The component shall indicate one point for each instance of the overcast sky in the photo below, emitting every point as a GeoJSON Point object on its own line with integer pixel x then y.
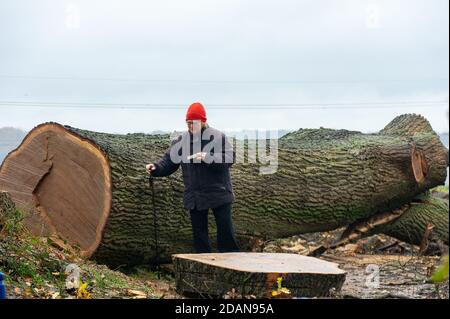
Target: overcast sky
{"type": "Point", "coordinates": [351, 64]}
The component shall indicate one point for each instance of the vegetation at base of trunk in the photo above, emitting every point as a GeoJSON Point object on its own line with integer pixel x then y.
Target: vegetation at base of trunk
{"type": "Point", "coordinates": [27, 260]}
{"type": "Point", "coordinates": [441, 189]}
{"type": "Point", "coordinates": [34, 267]}
{"type": "Point", "coordinates": [441, 274]}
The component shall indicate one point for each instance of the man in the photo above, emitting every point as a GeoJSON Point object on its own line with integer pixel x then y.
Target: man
{"type": "Point", "coordinates": [205, 156]}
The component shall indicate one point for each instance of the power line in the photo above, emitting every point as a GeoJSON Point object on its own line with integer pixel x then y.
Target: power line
{"type": "Point", "coordinates": [235, 106]}
{"type": "Point", "coordinates": [190, 81]}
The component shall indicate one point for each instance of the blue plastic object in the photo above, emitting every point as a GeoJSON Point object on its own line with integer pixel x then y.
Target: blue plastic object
{"type": "Point", "coordinates": [2, 287]}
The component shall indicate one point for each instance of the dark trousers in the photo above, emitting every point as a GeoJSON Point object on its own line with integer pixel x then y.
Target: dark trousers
{"type": "Point", "coordinates": [226, 240]}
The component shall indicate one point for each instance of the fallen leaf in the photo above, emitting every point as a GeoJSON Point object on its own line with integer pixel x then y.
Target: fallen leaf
{"type": "Point", "coordinates": [137, 294]}
{"type": "Point", "coordinates": [27, 292]}
{"type": "Point", "coordinates": [82, 292]}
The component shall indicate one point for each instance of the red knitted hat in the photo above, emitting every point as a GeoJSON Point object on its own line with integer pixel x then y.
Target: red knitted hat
{"type": "Point", "coordinates": [196, 111]}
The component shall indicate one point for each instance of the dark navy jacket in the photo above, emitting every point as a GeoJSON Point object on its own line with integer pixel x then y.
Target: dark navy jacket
{"type": "Point", "coordinates": [207, 184]}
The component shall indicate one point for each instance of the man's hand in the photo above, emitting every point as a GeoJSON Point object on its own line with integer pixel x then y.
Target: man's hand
{"type": "Point", "coordinates": [198, 156]}
{"type": "Point", "coordinates": [150, 167]}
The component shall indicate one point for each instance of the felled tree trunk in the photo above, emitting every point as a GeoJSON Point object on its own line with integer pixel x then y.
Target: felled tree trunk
{"type": "Point", "coordinates": [91, 188]}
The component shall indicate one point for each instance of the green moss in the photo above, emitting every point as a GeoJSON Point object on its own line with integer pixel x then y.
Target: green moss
{"type": "Point", "coordinates": [105, 279]}
{"type": "Point", "coordinates": [442, 189]}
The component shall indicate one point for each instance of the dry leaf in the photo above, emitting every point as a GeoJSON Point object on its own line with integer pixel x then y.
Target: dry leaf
{"type": "Point", "coordinates": [55, 295]}
{"type": "Point", "coordinates": [137, 294]}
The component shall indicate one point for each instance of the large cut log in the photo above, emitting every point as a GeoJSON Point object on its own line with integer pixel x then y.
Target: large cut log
{"type": "Point", "coordinates": [257, 274]}
{"type": "Point", "coordinates": [91, 188]}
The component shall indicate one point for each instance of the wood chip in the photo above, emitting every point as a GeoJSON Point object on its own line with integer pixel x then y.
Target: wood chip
{"type": "Point", "coordinates": [137, 294]}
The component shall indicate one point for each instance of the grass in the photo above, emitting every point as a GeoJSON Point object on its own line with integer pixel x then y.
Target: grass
{"type": "Point", "coordinates": [144, 273]}
{"type": "Point", "coordinates": [34, 267]}
{"type": "Point", "coordinates": [104, 279]}
{"type": "Point", "coordinates": [442, 189]}
{"type": "Point", "coordinates": [25, 259]}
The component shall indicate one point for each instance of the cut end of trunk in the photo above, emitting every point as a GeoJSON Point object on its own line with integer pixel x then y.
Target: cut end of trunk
{"type": "Point", "coordinates": [64, 182]}
{"type": "Point", "coordinates": [419, 164]}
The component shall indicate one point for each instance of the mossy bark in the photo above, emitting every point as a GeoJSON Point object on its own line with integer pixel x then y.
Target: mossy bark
{"type": "Point", "coordinates": [410, 226]}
